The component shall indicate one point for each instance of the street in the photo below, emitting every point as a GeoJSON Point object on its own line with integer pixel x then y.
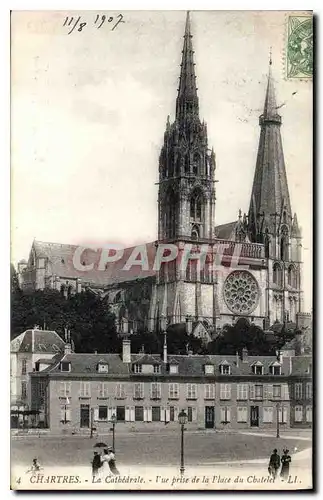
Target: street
{"type": "Point", "coordinates": [154, 449]}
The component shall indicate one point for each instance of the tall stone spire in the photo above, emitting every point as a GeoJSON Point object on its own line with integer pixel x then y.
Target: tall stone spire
{"type": "Point", "coordinates": [187, 100]}
{"type": "Point", "coordinates": [270, 200]}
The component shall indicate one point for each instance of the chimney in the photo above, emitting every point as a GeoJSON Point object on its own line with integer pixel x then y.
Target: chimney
{"type": "Point", "coordinates": [237, 359]}
{"type": "Point", "coordinates": [244, 355]}
{"type": "Point", "coordinates": [126, 351]}
{"type": "Point", "coordinates": [67, 348]}
{"type": "Point", "coordinates": [279, 356]}
{"type": "Point", "coordinates": [290, 365]}
{"type": "Point", "coordinates": [165, 349]}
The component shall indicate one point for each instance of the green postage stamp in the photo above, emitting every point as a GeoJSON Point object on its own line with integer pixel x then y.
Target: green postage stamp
{"type": "Point", "coordinates": [299, 60]}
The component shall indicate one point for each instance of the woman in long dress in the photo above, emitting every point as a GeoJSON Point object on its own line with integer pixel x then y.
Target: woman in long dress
{"type": "Point", "coordinates": [285, 461]}
{"type": "Point", "coordinates": [105, 467]}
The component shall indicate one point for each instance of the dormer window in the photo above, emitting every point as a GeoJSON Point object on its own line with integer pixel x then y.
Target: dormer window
{"type": "Point", "coordinates": [209, 369]}
{"type": "Point", "coordinates": [156, 368]}
{"type": "Point", "coordinates": [65, 366]}
{"type": "Point", "coordinates": [225, 368]}
{"type": "Point", "coordinates": [137, 368]}
{"type": "Point", "coordinates": [103, 368]}
{"type": "Point", "coordinates": [258, 369]}
{"type": "Point", "coordinates": [275, 369]}
{"type": "Point", "coordinates": [173, 368]}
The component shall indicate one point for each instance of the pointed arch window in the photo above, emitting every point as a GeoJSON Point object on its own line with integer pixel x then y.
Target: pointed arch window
{"type": "Point", "coordinates": [267, 243]}
{"type": "Point", "coordinates": [178, 165]}
{"type": "Point", "coordinates": [291, 277]}
{"type": "Point", "coordinates": [171, 214]}
{"type": "Point", "coordinates": [187, 164]}
{"type": "Point", "coordinates": [277, 274]}
{"type": "Point", "coordinates": [196, 163]}
{"type": "Point", "coordinates": [196, 206]}
{"type": "Point", "coordinates": [195, 232]}
{"type": "Point", "coordinates": [284, 244]}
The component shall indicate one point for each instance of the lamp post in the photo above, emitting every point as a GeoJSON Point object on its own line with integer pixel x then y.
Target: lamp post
{"type": "Point", "coordinates": [113, 420]}
{"type": "Point", "coordinates": [182, 418]}
{"type": "Point", "coordinates": [277, 414]}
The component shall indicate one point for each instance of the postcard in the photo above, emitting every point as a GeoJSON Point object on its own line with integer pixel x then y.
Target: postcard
{"type": "Point", "coordinates": [161, 265]}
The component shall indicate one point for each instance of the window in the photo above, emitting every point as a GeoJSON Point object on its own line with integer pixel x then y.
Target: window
{"type": "Point", "coordinates": [65, 366]}
{"type": "Point", "coordinates": [242, 391]}
{"type": "Point", "coordinates": [196, 206]}
{"type": "Point", "coordinates": [155, 390]}
{"type": "Point", "coordinates": [85, 390]}
{"type": "Point", "coordinates": [155, 414]}
{"type": "Point", "coordinates": [225, 414]}
{"type": "Point", "coordinates": [275, 370]}
{"type": "Point", "coordinates": [137, 368]}
{"type": "Point", "coordinates": [258, 369]}
{"type": "Point", "coordinates": [103, 390]}
{"type": "Point", "coordinates": [191, 414]}
{"type": "Point", "coordinates": [292, 277]}
{"type": "Point", "coordinates": [103, 368]}
{"type": "Point", "coordinates": [64, 389]}
{"type": "Point", "coordinates": [209, 369]}
{"type": "Point", "coordinates": [121, 414]}
{"type": "Point", "coordinates": [191, 391]}
{"type": "Point", "coordinates": [65, 413]}
{"type": "Point", "coordinates": [209, 391]}
{"type": "Point", "coordinates": [23, 367]}
{"type": "Point", "coordinates": [173, 368]}
{"type": "Point", "coordinates": [277, 275]}
{"type": "Point", "coordinates": [120, 391]}
{"type": "Point", "coordinates": [308, 390]}
{"type": "Point", "coordinates": [138, 391]}
{"type": "Point", "coordinates": [225, 391]}
{"type": "Point", "coordinates": [258, 391]}
{"type": "Point", "coordinates": [156, 368]}
{"type": "Point", "coordinates": [173, 391]}
{"type": "Point", "coordinates": [308, 414]}
{"type": "Point", "coordinates": [284, 243]}
{"type": "Point", "coordinates": [268, 414]}
{"type": "Point", "coordinates": [23, 390]}
{"type": "Point", "coordinates": [225, 369]}
{"type": "Point", "coordinates": [298, 414]}
{"type": "Point", "coordinates": [282, 415]}
{"type": "Point", "coordinates": [103, 413]}
{"type": "Point", "coordinates": [298, 390]}
{"type": "Point", "coordinates": [139, 413]}
{"type": "Point", "coordinates": [277, 391]}
{"type": "Point", "coordinates": [242, 414]}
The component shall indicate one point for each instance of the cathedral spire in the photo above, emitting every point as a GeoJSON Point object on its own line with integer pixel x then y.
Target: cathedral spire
{"type": "Point", "coordinates": [187, 100]}
{"type": "Point", "coordinates": [270, 196]}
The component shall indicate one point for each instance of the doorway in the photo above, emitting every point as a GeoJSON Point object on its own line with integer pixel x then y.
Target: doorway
{"type": "Point", "coordinates": [85, 416]}
{"type": "Point", "coordinates": [254, 416]}
{"type": "Point", "coordinates": [209, 417]}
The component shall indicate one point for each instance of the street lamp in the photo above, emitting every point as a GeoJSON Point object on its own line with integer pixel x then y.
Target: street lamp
{"type": "Point", "coordinates": [113, 420]}
{"type": "Point", "coordinates": [182, 419]}
{"type": "Point", "coordinates": [277, 408]}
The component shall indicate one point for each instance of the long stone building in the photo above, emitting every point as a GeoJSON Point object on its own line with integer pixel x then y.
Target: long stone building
{"type": "Point", "coordinates": [253, 265]}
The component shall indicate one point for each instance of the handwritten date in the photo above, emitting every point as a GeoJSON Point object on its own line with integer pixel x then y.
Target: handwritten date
{"type": "Point", "coordinates": [76, 22]}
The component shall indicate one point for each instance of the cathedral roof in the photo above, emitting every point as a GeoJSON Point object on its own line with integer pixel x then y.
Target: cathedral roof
{"type": "Point", "coordinates": [60, 263]}
{"type": "Point", "coordinates": [225, 231]}
{"type": "Point", "coordinates": [37, 341]}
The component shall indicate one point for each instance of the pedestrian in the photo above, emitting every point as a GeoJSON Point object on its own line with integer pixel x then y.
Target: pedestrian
{"type": "Point", "coordinates": [285, 461]}
{"type": "Point", "coordinates": [105, 463]}
{"type": "Point", "coordinates": [274, 464]}
{"type": "Point", "coordinates": [112, 462]}
{"type": "Point", "coordinates": [96, 463]}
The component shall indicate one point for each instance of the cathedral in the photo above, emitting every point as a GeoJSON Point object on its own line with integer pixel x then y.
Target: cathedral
{"type": "Point", "coordinates": [252, 266]}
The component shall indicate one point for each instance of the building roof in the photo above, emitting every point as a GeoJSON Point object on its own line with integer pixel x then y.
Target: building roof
{"type": "Point", "coordinates": [225, 231]}
{"type": "Point", "coordinates": [37, 341]}
{"type": "Point", "coordinates": [188, 366]}
{"type": "Point", "coordinates": [62, 258]}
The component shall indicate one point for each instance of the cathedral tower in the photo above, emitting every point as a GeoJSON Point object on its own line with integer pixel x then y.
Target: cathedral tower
{"type": "Point", "coordinates": [186, 201]}
{"type": "Point", "coordinates": [270, 217]}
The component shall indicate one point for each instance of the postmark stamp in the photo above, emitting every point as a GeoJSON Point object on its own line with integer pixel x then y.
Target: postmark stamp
{"type": "Point", "coordinates": [299, 60]}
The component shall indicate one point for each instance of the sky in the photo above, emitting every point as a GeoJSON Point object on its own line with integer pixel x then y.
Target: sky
{"type": "Point", "coordinates": [88, 114]}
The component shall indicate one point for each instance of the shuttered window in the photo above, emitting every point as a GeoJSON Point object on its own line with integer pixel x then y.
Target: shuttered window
{"type": "Point", "coordinates": [225, 391]}
{"type": "Point", "coordinates": [268, 414]}
{"type": "Point", "coordinates": [242, 391]}
{"type": "Point", "coordinates": [298, 413]}
{"type": "Point", "coordinates": [242, 414]}
{"type": "Point", "coordinates": [225, 414]}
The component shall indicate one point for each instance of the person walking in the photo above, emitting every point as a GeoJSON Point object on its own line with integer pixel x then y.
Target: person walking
{"type": "Point", "coordinates": [274, 464]}
{"type": "Point", "coordinates": [112, 462]}
{"type": "Point", "coordinates": [285, 461]}
{"type": "Point", "coordinates": [96, 463]}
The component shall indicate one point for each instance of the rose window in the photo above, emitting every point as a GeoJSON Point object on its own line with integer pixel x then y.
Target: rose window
{"type": "Point", "coordinates": [241, 292]}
